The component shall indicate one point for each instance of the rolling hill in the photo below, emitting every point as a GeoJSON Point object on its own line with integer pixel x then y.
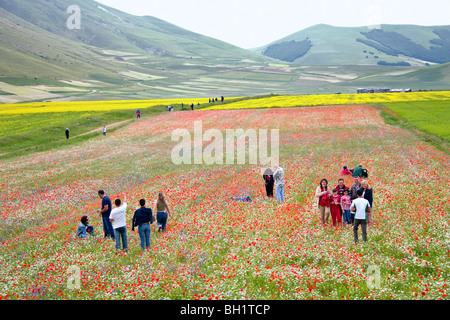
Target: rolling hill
{"type": "Point", "coordinates": [117, 56]}
{"type": "Point", "coordinates": [390, 45]}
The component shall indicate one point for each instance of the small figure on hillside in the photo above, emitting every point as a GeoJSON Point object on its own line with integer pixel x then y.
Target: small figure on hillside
{"type": "Point", "coordinates": [104, 130]}
{"type": "Point", "coordinates": [221, 98]}
{"type": "Point", "coordinates": [67, 133]}
{"type": "Point", "coordinates": [138, 113]}
{"type": "Point", "coordinates": [192, 106]}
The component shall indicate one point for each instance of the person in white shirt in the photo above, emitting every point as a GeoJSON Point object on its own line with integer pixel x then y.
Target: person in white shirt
{"type": "Point", "coordinates": [360, 206]}
{"type": "Point", "coordinates": [117, 218]}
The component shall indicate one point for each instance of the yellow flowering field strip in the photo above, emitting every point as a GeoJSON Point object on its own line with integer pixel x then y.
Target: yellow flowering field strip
{"type": "Point", "coordinates": [91, 106]}
{"type": "Point", "coordinates": [333, 99]}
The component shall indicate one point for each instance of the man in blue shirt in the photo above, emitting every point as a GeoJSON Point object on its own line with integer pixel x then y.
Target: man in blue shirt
{"type": "Point", "coordinates": [104, 212]}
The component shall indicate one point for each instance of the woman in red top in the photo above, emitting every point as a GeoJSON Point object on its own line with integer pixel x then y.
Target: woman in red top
{"type": "Point", "coordinates": [323, 200]}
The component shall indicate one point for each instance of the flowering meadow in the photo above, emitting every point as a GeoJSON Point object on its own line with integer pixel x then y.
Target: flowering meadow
{"type": "Point", "coordinates": [216, 248]}
{"type": "Point", "coordinates": [336, 99]}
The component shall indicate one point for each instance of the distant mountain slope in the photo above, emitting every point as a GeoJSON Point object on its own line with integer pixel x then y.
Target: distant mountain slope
{"type": "Point", "coordinates": [108, 28]}
{"type": "Point", "coordinates": [414, 45]}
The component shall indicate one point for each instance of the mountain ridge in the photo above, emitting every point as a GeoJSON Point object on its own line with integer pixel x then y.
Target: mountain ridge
{"type": "Point", "coordinates": [357, 45]}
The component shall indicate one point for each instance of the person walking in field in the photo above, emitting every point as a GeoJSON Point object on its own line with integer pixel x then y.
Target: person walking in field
{"type": "Point", "coordinates": [104, 130]}
{"type": "Point", "coordinates": [138, 113]}
{"type": "Point", "coordinates": [278, 178]}
{"type": "Point", "coordinates": [67, 133]}
{"type": "Point", "coordinates": [104, 212]}
{"type": "Point", "coordinates": [323, 200]}
{"type": "Point", "coordinates": [360, 206]}
{"type": "Point", "coordinates": [162, 212]}
{"type": "Point", "coordinates": [117, 218]}
{"type": "Point", "coordinates": [142, 219]}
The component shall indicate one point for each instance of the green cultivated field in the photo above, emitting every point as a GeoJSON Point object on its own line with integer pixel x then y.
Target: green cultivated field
{"type": "Point", "coordinates": [430, 117]}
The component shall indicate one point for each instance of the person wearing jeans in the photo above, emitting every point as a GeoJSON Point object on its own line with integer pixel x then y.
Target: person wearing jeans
{"type": "Point", "coordinates": [104, 212]}
{"type": "Point", "coordinates": [121, 234]}
{"type": "Point", "coordinates": [117, 218]}
{"type": "Point", "coordinates": [278, 177]}
{"type": "Point", "coordinates": [142, 219]}
{"type": "Point", "coordinates": [162, 211]}
{"type": "Point", "coordinates": [360, 206]}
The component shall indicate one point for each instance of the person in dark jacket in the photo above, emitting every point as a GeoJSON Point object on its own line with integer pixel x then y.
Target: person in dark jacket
{"type": "Point", "coordinates": [67, 133]}
{"type": "Point", "coordinates": [142, 218]}
{"type": "Point", "coordinates": [368, 195]}
{"type": "Point", "coordinates": [268, 180]}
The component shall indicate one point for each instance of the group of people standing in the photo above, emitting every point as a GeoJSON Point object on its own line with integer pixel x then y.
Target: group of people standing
{"type": "Point", "coordinates": [274, 178]}
{"type": "Point", "coordinates": [114, 220]}
{"type": "Point", "coordinates": [348, 206]}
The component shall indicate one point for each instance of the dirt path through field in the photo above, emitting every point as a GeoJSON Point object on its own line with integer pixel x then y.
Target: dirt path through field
{"type": "Point", "coordinates": [112, 125]}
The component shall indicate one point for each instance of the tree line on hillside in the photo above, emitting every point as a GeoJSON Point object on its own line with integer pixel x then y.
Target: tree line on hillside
{"type": "Point", "coordinates": [394, 44]}
{"type": "Point", "coordinates": [288, 51]}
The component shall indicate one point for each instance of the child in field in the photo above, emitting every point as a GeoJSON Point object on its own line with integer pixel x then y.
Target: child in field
{"type": "Point", "coordinates": [335, 207]}
{"type": "Point", "coordinates": [346, 202]}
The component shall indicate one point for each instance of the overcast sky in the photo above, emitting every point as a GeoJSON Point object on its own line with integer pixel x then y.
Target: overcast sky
{"type": "Point", "coordinates": [253, 23]}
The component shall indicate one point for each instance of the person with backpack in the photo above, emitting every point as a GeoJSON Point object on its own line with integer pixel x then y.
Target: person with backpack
{"type": "Point", "coordinates": [142, 219]}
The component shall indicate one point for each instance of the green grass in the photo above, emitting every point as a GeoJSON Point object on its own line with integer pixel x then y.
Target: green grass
{"type": "Point", "coordinates": [429, 117]}
{"type": "Point", "coordinates": [25, 134]}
